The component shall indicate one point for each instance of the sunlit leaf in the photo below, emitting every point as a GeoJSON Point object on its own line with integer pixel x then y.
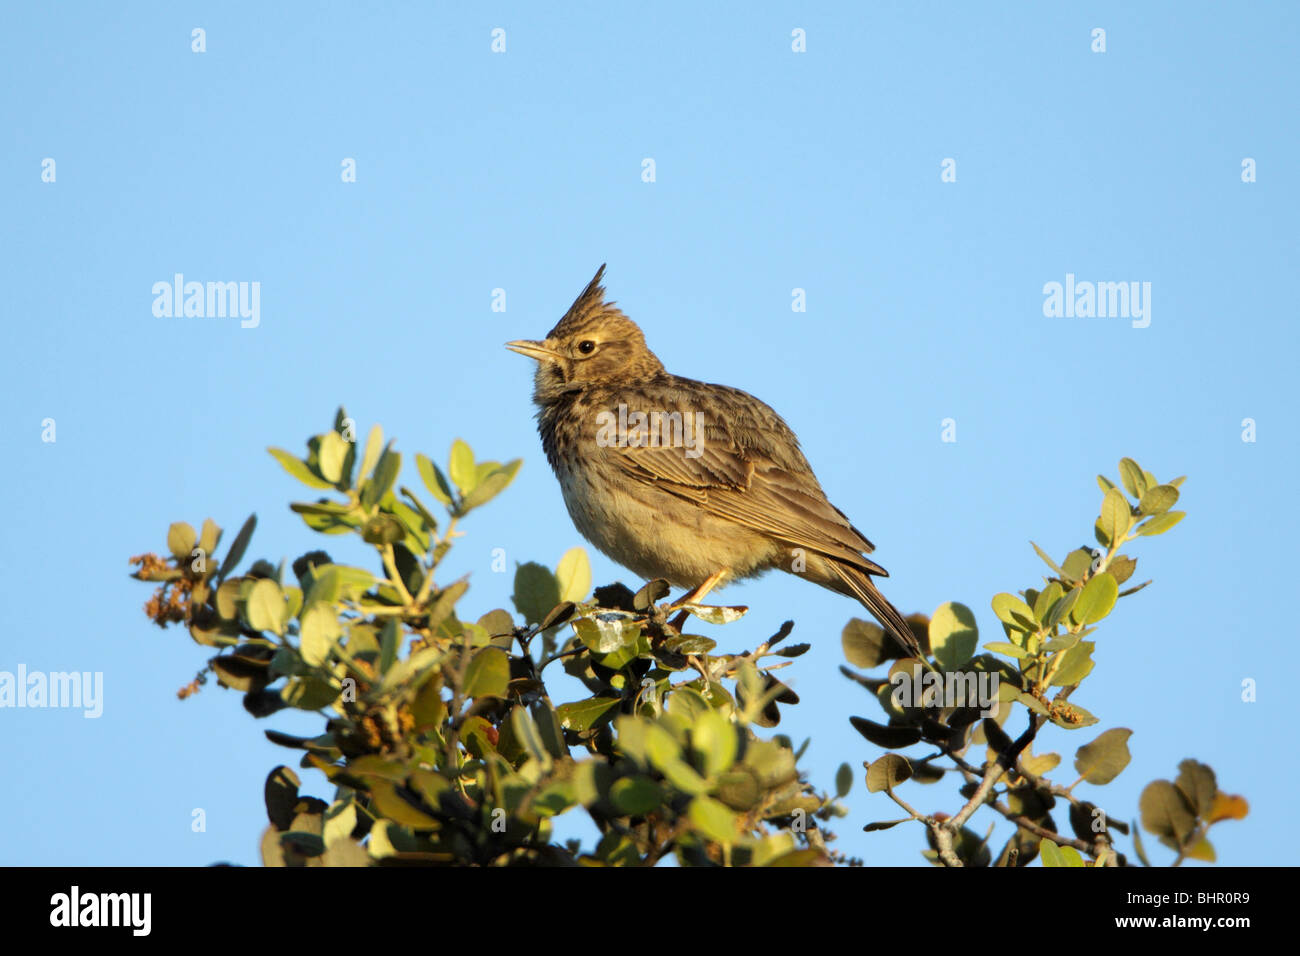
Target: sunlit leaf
{"type": "Point", "coordinates": [573, 575]}
{"type": "Point", "coordinates": [1105, 758]}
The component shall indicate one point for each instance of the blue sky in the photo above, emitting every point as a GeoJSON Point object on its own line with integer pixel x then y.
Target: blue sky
{"type": "Point", "coordinates": [774, 170]}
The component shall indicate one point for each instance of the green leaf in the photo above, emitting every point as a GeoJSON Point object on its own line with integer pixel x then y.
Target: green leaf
{"type": "Point", "coordinates": [891, 736]}
{"type": "Point", "coordinates": [738, 789]}
{"type": "Point", "coordinates": [793, 650]}
{"type": "Point", "coordinates": [340, 820]}
{"type": "Point", "coordinates": [688, 703]}
{"type": "Point", "coordinates": [887, 772]}
{"type": "Point", "coordinates": [374, 444]}
{"type": "Point", "coordinates": [715, 613]}
{"type": "Point", "coordinates": [536, 591]}
{"type": "Point", "coordinates": [1046, 599]}
{"type": "Point", "coordinates": [322, 507]}
{"type": "Point", "coordinates": [265, 607]}
{"type": "Point", "coordinates": [632, 735]}
{"type": "Point", "coordinates": [461, 467]}
{"type": "Point", "coordinates": [181, 539]}
{"type": "Point", "coordinates": [227, 599]}
{"type": "Point", "coordinates": [298, 468]}
{"type": "Point", "coordinates": [1197, 782]}
{"type": "Point", "coordinates": [713, 820]}
{"type": "Point", "coordinates": [430, 522]}
{"type": "Point", "coordinates": [1053, 855]}
{"type": "Point", "coordinates": [661, 747]}
{"type": "Point", "coordinates": [1097, 599]}
{"type": "Point", "coordinates": [843, 781]}
{"type": "Point", "coordinates": [488, 674]}
{"type": "Point", "coordinates": [714, 738]}
{"type": "Point", "coordinates": [527, 733]}
{"type": "Point", "coordinates": [1202, 850]}
{"type": "Point", "coordinates": [558, 615]}
{"type": "Point", "coordinates": [1033, 703]}
{"type": "Point", "coordinates": [238, 547]}
{"type": "Point", "coordinates": [1072, 717]}
{"type": "Point", "coordinates": [573, 575]}
{"type": "Point", "coordinates": [1116, 516]}
{"type": "Point", "coordinates": [1050, 853]}
{"type": "Point", "coordinates": [434, 480]}
{"type": "Point", "coordinates": [1063, 606]}
{"type": "Point", "coordinates": [445, 603]}
{"type": "Point", "coordinates": [1011, 650]}
{"type": "Point", "coordinates": [690, 644]}
{"type": "Point", "coordinates": [549, 729]}
{"type": "Point", "coordinates": [885, 824]}
{"type": "Point", "coordinates": [389, 639]}
{"type": "Point", "coordinates": [280, 793]}
{"type": "Point", "coordinates": [1121, 567]}
{"type": "Point", "coordinates": [1045, 558]}
{"type": "Point", "coordinates": [995, 736]}
{"type": "Point", "coordinates": [1158, 500]}
{"type": "Point", "coordinates": [353, 582]}
{"type": "Point", "coordinates": [390, 463]}
{"type": "Point", "coordinates": [1101, 534]}
{"type": "Point", "coordinates": [330, 456]}
{"type": "Point", "coordinates": [413, 526]}
{"type": "Point", "coordinates": [582, 715]}
{"type": "Point", "coordinates": [954, 635]}
{"type": "Point", "coordinates": [649, 593]}
{"type": "Point", "coordinates": [1076, 564]}
{"type": "Point", "coordinates": [382, 529]}
{"type": "Point", "coordinates": [309, 692]}
{"type": "Point", "coordinates": [1076, 664]}
{"type": "Point", "coordinates": [1015, 612]}
{"type": "Point", "coordinates": [635, 796]}
{"type": "Point", "coordinates": [607, 633]}
{"type": "Point", "coordinates": [399, 805]}
{"type": "Point", "coordinates": [1166, 811]}
{"type": "Point", "coordinates": [411, 670]}
{"type": "Point", "coordinates": [683, 776]}
{"type": "Point", "coordinates": [1138, 848]}
{"type": "Point", "coordinates": [1134, 479]}
{"type": "Point", "coordinates": [1105, 758]}
{"type": "Point", "coordinates": [491, 485]}
{"type": "Point", "coordinates": [320, 629]}
{"type": "Point", "coordinates": [240, 672]}
{"type": "Point", "coordinates": [864, 643]}
{"type": "Point", "coordinates": [326, 586]}
{"type": "Point", "coordinates": [1161, 523]}
{"type": "Point", "coordinates": [209, 537]}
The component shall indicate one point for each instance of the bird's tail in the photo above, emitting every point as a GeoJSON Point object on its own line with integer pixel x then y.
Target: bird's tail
{"type": "Point", "coordinates": [864, 589]}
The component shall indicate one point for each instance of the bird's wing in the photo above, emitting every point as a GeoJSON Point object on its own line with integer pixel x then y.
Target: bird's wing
{"type": "Point", "coordinates": [747, 467]}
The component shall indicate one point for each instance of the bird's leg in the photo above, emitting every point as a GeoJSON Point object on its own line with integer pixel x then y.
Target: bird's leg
{"type": "Point", "coordinates": [695, 595]}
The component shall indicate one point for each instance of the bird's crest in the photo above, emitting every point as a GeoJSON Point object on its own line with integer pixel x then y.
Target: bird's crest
{"type": "Point", "coordinates": [590, 304]}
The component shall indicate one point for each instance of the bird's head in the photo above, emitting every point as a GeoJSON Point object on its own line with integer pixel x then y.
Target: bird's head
{"type": "Point", "coordinates": [594, 344]}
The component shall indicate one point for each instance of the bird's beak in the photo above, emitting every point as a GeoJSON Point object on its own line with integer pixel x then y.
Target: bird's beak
{"type": "Point", "coordinates": [534, 350]}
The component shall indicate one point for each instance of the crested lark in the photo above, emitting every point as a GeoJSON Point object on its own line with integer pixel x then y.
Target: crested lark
{"type": "Point", "coordinates": [678, 479]}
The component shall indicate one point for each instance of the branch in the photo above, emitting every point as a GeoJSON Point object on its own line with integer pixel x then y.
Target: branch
{"type": "Point", "coordinates": [1004, 762]}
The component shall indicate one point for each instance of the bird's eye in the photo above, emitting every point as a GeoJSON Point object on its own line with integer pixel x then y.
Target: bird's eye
{"type": "Point", "coordinates": [586, 346]}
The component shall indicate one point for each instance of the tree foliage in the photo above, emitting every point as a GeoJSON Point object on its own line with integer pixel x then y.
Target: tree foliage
{"type": "Point", "coordinates": [443, 745]}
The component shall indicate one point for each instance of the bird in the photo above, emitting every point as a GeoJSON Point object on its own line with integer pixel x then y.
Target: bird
{"type": "Point", "coordinates": [679, 479]}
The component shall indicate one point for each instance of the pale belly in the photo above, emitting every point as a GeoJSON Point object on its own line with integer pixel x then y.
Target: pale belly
{"type": "Point", "coordinates": [626, 522]}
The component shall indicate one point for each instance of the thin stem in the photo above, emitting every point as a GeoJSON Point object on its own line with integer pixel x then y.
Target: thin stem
{"type": "Point", "coordinates": [390, 565]}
